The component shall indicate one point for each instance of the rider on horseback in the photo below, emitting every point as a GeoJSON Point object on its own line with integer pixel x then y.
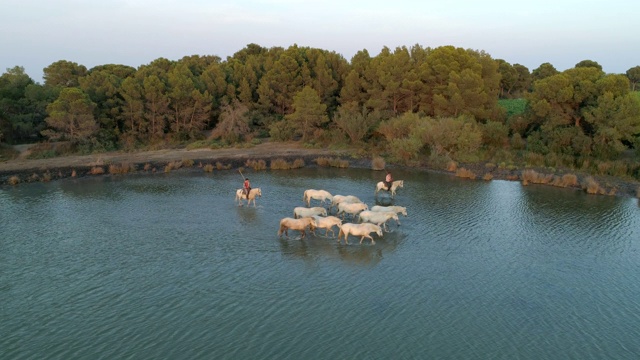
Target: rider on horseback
{"type": "Point", "coordinates": [388, 180]}
{"type": "Point", "coordinates": [246, 187]}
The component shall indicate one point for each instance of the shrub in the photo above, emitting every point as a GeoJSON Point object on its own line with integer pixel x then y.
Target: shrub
{"type": "Point", "coordinates": [34, 177]}
{"type": "Point", "coordinates": [122, 169]}
{"type": "Point", "coordinates": [147, 167]}
{"type": "Point", "coordinates": [13, 180]}
{"type": "Point", "coordinates": [73, 173]}
{"type": "Point", "coordinates": [46, 177]}
{"type": "Point", "coordinates": [339, 163]}
{"type": "Point", "coordinates": [187, 162]}
{"type": "Point", "coordinates": [533, 159]}
{"type": "Point", "coordinates": [465, 173]}
{"type": "Point", "coordinates": [569, 180]}
{"type": "Point", "coordinates": [322, 161]}
{"type": "Point", "coordinates": [256, 164]}
{"type": "Point", "coordinates": [487, 176]}
{"type": "Point", "coordinates": [280, 164]}
{"type": "Point", "coordinates": [452, 166]}
{"type": "Point", "coordinates": [535, 177]}
{"type": "Point", "coordinates": [378, 163]}
{"type": "Point", "coordinates": [297, 163]}
{"type": "Point", "coordinates": [96, 170]}
{"type": "Point", "coordinates": [591, 186]}
{"type": "Point", "coordinates": [208, 168]}
{"type": "Point", "coordinates": [221, 166]}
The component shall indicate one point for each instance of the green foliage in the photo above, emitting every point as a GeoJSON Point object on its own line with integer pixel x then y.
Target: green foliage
{"type": "Point", "coordinates": [309, 114]}
{"type": "Point", "coordinates": [281, 131]}
{"type": "Point", "coordinates": [513, 107]}
{"type": "Point", "coordinates": [233, 122]}
{"type": "Point", "coordinates": [356, 123]}
{"type": "Point", "coordinates": [71, 117]}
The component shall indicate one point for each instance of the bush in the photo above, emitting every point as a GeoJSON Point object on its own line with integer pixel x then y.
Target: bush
{"type": "Point", "coordinates": [96, 170]}
{"type": "Point", "coordinates": [465, 173]}
{"type": "Point", "coordinates": [208, 168]}
{"type": "Point", "coordinates": [256, 164]}
{"type": "Point", "coordinates": [591, 186]}
{"type": "Point", "coordinates": [13, 180]}
{"type": "Point", "coordinates": [378, 163]}
{"type": "Point", "coordinates": [297, 163]}
{"type": "Point", "coordinates": [280, 164]}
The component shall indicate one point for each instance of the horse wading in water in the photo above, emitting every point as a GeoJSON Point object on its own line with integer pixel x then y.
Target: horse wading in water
{"type": "Point", "coordinates": [394, 186]}
{"type": "Point", "coordinates": [321, 195]}
{"type": "Point", "coordinates": [255, 192]}
{"type": "Point", "coordinates": [296, 224]}
{"type": "Point", "coordinates": [362, 230]}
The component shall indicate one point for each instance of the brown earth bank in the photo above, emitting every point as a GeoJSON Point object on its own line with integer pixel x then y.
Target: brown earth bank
{"type": "Point", "coordinates": [33, 170]}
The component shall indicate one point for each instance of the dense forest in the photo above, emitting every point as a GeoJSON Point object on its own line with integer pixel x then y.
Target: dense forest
{"type": "Point", "coordinates": [410, 105]}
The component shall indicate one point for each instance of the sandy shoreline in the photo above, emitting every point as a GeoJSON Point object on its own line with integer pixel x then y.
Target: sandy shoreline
{"type": "Point", "coordinates": [64, 166]}
{"type": "Point", "coordinates": [33, 170]}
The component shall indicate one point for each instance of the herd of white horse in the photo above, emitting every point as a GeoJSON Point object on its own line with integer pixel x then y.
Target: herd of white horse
{"type": "Point", "coordinates": [364, 221]}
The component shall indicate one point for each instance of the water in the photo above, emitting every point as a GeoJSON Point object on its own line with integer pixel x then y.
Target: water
{"type": "Point", "coordinates": [167, 266]}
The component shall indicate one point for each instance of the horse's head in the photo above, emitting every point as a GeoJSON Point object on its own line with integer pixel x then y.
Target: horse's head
{"type": "Point", "coordinates": [404, 211]}
{"type": "Point", "coordinates": [401, 183]}
{"type": "Point", "coordinates": [379, 231]}
{"type": "Point", "coordinates": [313, 224]}
{"type": "Point", "coordinates": [258, 192]}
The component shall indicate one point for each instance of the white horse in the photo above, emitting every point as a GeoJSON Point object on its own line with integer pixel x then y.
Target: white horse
{"type": "Point", "coordinates": [394, 186]}
{"type": "Point", "coordinates": [379, 218]}
{"type": "Point", "coordinates": [327, 223]}
{"type": "Point", "coordinates": [362, 230]}
{"type": "Point", "coordinates": [296, 224]}
{"type": "Point", "coordinates": [253, 193]}
{"type": "Point", "coordinates": [351, 208]}
{"type": "Point", "coordinates": [337, 199]}
{"type": "Point", "coordinates": [321, 195]}
{"type": "Point", "coordinates": [300, 211]}
{"type": "Point", "coordinates": [397, 209]}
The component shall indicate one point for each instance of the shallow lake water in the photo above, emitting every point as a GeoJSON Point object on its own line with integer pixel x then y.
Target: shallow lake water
{"type": "Point", "coordinates": [168, 266]}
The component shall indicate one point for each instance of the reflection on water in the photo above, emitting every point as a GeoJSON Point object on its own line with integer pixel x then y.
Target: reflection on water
{"type": "Point", "coordinates": [168, 266]}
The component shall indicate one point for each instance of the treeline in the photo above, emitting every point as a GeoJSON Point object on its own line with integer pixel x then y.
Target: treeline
{"type": "Point", "coordinates": [413, 104]}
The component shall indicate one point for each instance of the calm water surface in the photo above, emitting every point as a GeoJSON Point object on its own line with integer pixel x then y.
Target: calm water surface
{"type": "Point", "coordinates": [166, 266]}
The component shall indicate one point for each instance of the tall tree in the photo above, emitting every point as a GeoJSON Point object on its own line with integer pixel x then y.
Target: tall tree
{"type": "Point", "coordinates": [589, 63]}
{"type": "Point", "coordinates": [309, 113]}
{"type": "Point", "coordinates": [634, 76]}
{"type": "Point", "coordinates": [71, 117]}
{"type": "Point", "coordinates": [156, 106]}
{"type": "Point", "coordinates": [64, 73]}
{"type": "Point", "coordinates": [543, 71]}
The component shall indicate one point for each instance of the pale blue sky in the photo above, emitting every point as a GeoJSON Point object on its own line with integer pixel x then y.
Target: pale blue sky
{"type": "Point", "coordinates": [36, 33]}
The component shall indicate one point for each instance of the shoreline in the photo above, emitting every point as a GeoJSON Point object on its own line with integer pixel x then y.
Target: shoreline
{"type": "Point", "coordinates": [38, 170]}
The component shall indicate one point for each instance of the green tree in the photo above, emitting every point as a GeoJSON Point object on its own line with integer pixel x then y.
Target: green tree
{"type": "Point", "coordinates": [634, 76]}
{"type": "Point", "coordinates": [279, 84]}
{"type": "Point", "coordinates": [356, 121]}
{"type": "Point", "coordinates": [460, 82]}
{"type": "Point", "coordinates": [233, 123]}
{"type": "Point", "coordinates": [64, 73]}
{"type": "Point", "coordinates": [589, 63]}
{"type": "Point", "coordinates": [135, 123]}
{"type": "Point", "coordinates": [543, 71]}
{"type": "Point", "coordinates": [508, 77]}
{"type": "Point", "coordinates": [71, 117]}
{"type": "Point", "coordinates": [309, 114]}
{"type": "Point", "coordinates": [156, 106]}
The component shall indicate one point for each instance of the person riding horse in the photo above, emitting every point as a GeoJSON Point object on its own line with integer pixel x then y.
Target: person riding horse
{"type": "Point", "coordinates": [246, 187]}
{"type": "Point", "coordinates": [388, 180]}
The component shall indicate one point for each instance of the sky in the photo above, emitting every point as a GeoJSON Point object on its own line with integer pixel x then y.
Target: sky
{"type": "Point", "coordinates": [36, 33]}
